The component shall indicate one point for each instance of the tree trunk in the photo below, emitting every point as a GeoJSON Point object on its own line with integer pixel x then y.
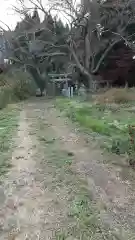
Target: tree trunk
{"type": "Point", "coordinates": [87, 52]}
{"type": "Point", "coordinates": [37, 77]}
{"type": "Point", "coordinates": [82, 69]}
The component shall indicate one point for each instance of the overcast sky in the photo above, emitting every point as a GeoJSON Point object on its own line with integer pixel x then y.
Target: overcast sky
{"type": "Point", "coordinates": [8, 16]}
{"type": "Point", "coordinates": [6, 13]}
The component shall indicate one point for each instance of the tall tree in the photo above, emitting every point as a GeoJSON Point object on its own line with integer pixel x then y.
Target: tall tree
{"type": "Point", "coordinates": [35, 16]}
{"type": "Point", "coordinates": [95, 28]}
{"type": "Point", "coordinates": [37, 54]}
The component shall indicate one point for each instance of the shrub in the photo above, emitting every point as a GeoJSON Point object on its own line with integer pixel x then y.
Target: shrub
{"type": "Point", "coordinates": [131, 152]}
{"type": "Point", "coordinates": [23, 86]}
{"type": "Point", "coordinates": [15, 86]}
{"type": "Point", "coordinates": [116, 95]}
{"type": "Point", "coordinates": [5, 96]}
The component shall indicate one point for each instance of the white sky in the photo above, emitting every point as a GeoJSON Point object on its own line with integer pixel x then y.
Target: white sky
{"type": "Point", "coordinates": [8, 16]}
{"type": "Point", "coordinates": [6, 13]}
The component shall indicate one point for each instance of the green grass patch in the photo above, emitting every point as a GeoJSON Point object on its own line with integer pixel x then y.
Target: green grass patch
{"type": "Point", "coordinates": [108, 124]}
{"type": "Point", "coordinates": [8, 124]}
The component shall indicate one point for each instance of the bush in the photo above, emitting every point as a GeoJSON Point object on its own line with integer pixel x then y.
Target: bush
{"type": "Point", "coordinates": [15, 86]}
{"type": "Point", "coordinates": [5, 96]}
{"type": "Point", "coordinates": [116, 95]}
{"type": "Point", "coordinates": [23, 86]}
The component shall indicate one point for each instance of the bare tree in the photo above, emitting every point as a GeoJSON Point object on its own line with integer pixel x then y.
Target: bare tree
{"type": "Point", "coordinates": [29, 52]}
{"type": "Point", "coordinates": [73, 14]}
{"type": "Point", "coordinates": [95, 27]}
{"type": "Point", "coordinates": [98, 26]}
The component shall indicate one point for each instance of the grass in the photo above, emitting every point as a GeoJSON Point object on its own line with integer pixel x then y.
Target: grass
{"type": "Point", "coordinates": [8, 124]}
{"type": "Point", "coordinates": [108, 124]}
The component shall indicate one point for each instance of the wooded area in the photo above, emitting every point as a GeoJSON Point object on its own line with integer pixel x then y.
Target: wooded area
{"type": "Point", "coordinates": [96, 43]}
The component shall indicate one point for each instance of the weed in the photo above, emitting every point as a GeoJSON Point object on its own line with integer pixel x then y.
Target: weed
{"type": "Point", "coordinates": [47, 141]}
{"type": "Point", "coordinates": [117, 95]}
{"type": "Point", "coordinates": [119, 146]}
{"type": "Point", "coordinates": [131, 152]}
{"type": "Point", "coordinates": [8, 123]}
{"type": "Point", "coordinates": [15, 86]}
{"type": "Point", "coordinates": [60, 158]}
{"type": "Point", "coordinates": [108, 125]}
{"type": "Point", "coordinates": [60, 236]}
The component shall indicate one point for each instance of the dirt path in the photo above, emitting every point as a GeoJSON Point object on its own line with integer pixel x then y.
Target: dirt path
{"type": "Point", "coordinates": [117, 196]}
{"type": "Point", "coordinates": [58, 186]}
{"type": "Point", "coordinates": [29, 207]}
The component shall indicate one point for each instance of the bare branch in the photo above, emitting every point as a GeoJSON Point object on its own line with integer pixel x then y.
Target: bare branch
{"type": "Point", "coordinates": [6, 26]}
